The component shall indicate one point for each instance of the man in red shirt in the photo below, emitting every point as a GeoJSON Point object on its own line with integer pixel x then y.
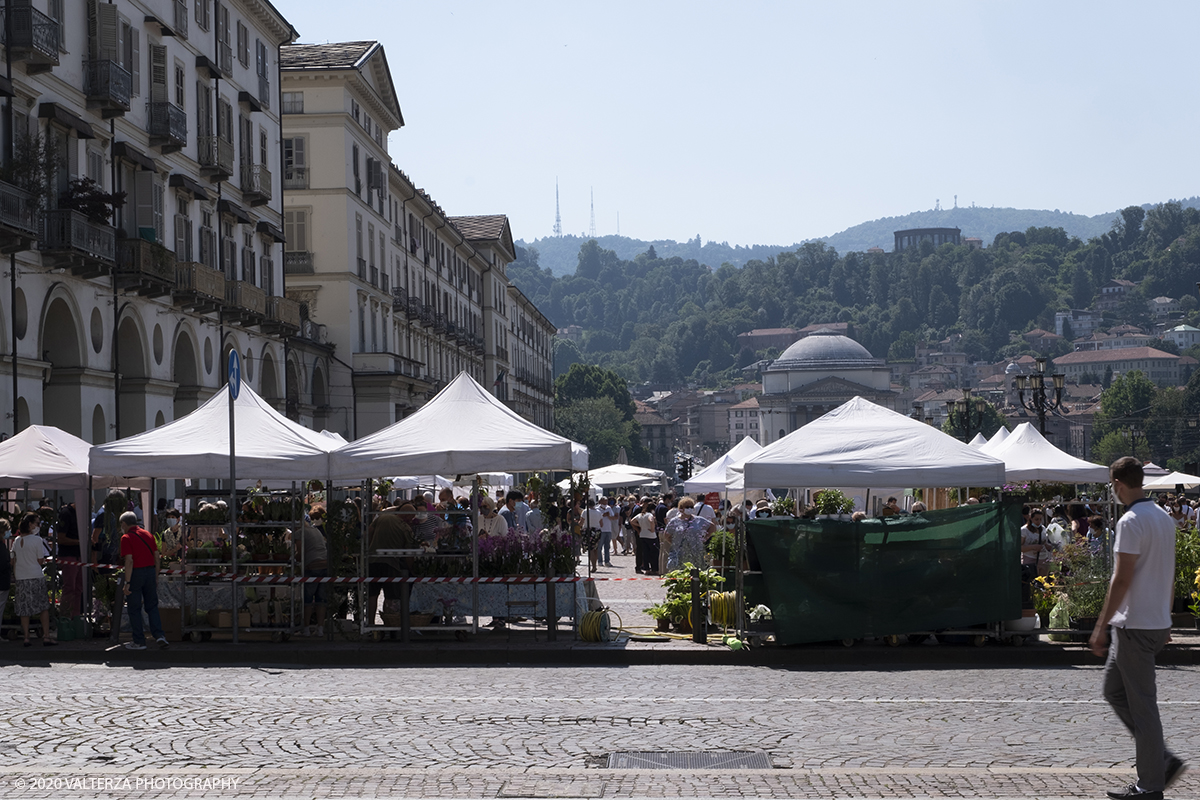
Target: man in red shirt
{"type": "Point", "coordinates": [139, 551]}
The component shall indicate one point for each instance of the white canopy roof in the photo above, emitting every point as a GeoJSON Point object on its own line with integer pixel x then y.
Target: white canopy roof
{"type": "Point", "coordinates": [1153, 470]}
{"type": "Point", "coordinates": [713, 478]}
{"type": "Point", "coordinates": [979, 441]}
{"type": "Point", "coordinates": [46, 457]}
{"type": "Point", "coordinates": [997, 439]}
{"type": "Point", "coordinates": [1170, 481]}
{"type": "Point", "coordinates": [268, 445]}
{"type": "Point", "coordinates": [860, 443]}
{"type": "Point", "coordinates": [624, 475]}
{"type": "Point", "coordinates": [1029, 457]}
{"type": "Point", "coordinates": [461, 431]}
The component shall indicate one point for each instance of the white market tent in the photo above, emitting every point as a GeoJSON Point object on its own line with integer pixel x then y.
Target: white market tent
{"type": "Point", "coordinates": [1028, 456]}
{"type": "Point", "coordinates": [46, 457]}
{"type": "Point", "coordinates": [713, 478]}
{"type": "Point", "coordinates": [1170, 481]}
{"type": "Point", "coordinates": [997, 439]}
{"type": "Point", "coordinates": [463, 430]}
{"type": "Point", "coordinates": [616, 475]}
{"type": "Point", "coordinates": [979, 441]}
{"type": "Point", "coordinates": [860, 443]}
{"type": "Point", "coordinates": [268, 445]}
{"type": "Point", "coordinates": [1153, 470]}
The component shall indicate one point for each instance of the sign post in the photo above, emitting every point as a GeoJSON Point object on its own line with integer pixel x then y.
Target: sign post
{"type": "Point", "coordinates": [235, 388]}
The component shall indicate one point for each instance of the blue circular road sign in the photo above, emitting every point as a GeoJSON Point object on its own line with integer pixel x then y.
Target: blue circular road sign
{"type": "Point", "coordinates": [235, 373]}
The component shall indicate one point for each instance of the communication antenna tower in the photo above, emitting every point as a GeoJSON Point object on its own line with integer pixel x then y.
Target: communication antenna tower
{"type": "Point", "coordinates": [557, 215]}
{"type": "Point", "coordinates": [592, 228]}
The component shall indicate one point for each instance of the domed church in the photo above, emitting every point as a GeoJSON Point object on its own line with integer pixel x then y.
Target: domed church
{"type": "Point", "coordinates": [816, 375]}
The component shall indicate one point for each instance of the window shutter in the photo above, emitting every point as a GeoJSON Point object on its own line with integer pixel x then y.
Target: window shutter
{"type": "Point", "coordinates": [298, 157]}
{"type": "Point", "coordinates": [143, 183]}
{"type": "Point", "coordinates": [160, 224]}
{"type": "Point", "coordinates": [135, 69]}
{"type": "Point", "coordinates": [104, 31]}
{"type": "Point", "coordinates": [181, 238]}
{"type": "Point", "coordinates": [158, 73]}
{"type": "Point", "coordinates": [261, 58]}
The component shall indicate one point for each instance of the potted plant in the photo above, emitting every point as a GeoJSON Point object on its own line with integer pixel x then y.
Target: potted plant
{"type": "Point", "coordinates": [661, 615]}
{"type": "Point", "coordinates": [721, 547]}
{"type": "Point", "coordinates": [678, 584]}
{"type": "Point", "coordinates": [1194, 606]}
{"type": "Point", "coordinates": [783, 507]}
{"type": "Point", "coordinates": [831, 503]}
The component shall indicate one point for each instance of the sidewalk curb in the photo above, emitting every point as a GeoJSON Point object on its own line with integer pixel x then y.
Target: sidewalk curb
{"type": "Point", "coordinates": [426, 654]}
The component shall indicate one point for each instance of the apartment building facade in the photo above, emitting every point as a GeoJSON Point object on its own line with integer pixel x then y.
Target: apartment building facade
{"type": "Point", "coordinates": [142, 212]}
{"type": "Point", "coordinates": [406, 295]}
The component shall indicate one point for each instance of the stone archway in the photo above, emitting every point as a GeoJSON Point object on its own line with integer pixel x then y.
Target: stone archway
{"type": "Point", "coordinates": [185, 372]}
{"type": "Point", "coordinates": [61, 400]}
{"type": "Point", "coordinates": [131, 346]}
{"type": "Point", "coordinates": [320, 400]}
{"type": "Point", "coordinates": [268, 381]}
{"type": "Point", "coordinates": [99, 426]}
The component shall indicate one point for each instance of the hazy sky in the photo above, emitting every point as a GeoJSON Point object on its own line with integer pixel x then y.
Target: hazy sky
{"type": "Point", "coordinates": [774, 122]}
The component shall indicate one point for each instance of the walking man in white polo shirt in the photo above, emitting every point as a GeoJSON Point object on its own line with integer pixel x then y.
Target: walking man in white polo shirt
{"type": "Point", "coordinates": [1138, 609]}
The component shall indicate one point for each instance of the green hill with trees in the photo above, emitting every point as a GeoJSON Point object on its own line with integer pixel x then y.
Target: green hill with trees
{"type": "Point", "coordinates": [652, 317]}
{"type": "Point", "coordinates": [560, 254]}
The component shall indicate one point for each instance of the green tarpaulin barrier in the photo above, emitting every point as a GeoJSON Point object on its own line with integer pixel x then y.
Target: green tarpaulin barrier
{"type": "Point", "coordinates": [829, 580]}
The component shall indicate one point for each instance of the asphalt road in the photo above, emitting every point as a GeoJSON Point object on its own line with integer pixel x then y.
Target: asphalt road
{"type": "Point", "coordinates": [97, 731]}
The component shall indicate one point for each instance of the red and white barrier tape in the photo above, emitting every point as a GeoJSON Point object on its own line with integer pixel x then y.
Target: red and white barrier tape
{"type": "Point", "coordinates": [286, 579]}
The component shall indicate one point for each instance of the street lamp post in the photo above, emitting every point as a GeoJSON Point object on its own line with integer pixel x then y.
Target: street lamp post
{"type": "Point", "coordinates": [1038, 403]}
{"type": "Point", "coordinates": [969, 411]}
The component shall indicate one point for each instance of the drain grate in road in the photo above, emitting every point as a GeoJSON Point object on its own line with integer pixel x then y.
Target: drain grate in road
{"type": "Point", "coordinates": [695, 760]}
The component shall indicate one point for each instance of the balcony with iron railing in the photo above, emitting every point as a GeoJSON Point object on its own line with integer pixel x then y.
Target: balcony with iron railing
{"type": "Point", "coordinates": [283, 316]}
{"type": "Point", "coordinates": [312, 331]}
{"type": "Point", "coordinates": [256, 184]}
{"type": "Point", "coordinates": [198, 287]}
{"type": "Point", "coordinates": [373, 275]}
{"type": "Point", "coordinates": [145, 267]}
{"type": "Point", "coordinates": [383, 281]}
{"type": "Point", "coordinates": [69, 240]}
{"type": "Point", "coordinates": [108, 86]}
{"type": "Point", "coordinates": [362, 269]}
{"type": "Point", "coordinates": [245, 303]}
{"type": "Point", "coordinates": [215, 155]}
{"type": "Point", "coordinates": [414, 309]}
{"type": "Point", "coordinates": [427, 315]}
{"type": "Point", "coordinates": [387, 364]}
{"type": "Point", "coordinates": [298, 262]}
{"type": "Point", "coordinates": [18, 219]}
{"type": "Point", "coordinates": [35, 37]}
{"type": "Point", "coordinates": [295, 178]}
{"type": "Point", "coordinates": [399, 299]}
{"type": "Point", "coordinates": [168, 127]}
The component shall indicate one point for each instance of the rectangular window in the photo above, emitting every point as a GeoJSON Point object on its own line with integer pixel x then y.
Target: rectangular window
{"type": "Point", "coordinates": [295, 230]}
{"type": "Point", "coordinates": [243, 44]}
{"type": "Point", "coordinates": [262, 146]}
{"type": "Point", "coordinates": [295, 172]}
{"type": "Point", "coordinates": [357, 176]}
{"type": "Point", "coordinates": [354, 112]}
{"type": "Point", "coordinates": [358, 236]}
{"type": "Point", "coordinates": [54, 10]}
{"type": "Point", "coordinates": [95, 160]}
{"type": "Point", "coordinates": [180, 84]}
{"type": "Point", "coordinates": [370, 245]}
{"type": "Point", "coordinates": [131, 56]}
{"type": "Point", "coordinates": [293, 102]}
{"type": "Point", "coordinates": [202, 14]}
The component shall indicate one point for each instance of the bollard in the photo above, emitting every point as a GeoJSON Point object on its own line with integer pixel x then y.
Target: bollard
{"type": "Point", "coordinates": [551, 607]}
{"type": "Point", "coordinates": [699, 619]}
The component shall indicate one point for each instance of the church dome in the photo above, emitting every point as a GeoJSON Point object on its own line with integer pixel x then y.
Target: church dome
{"type": "Point", "coordinates": [824, 349]}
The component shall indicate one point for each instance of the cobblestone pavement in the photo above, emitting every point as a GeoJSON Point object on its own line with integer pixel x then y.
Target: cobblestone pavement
{"type": "Point", "coordinates": [95, 731]}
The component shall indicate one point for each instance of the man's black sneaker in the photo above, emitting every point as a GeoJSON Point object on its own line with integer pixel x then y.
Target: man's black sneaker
{"type": "Point", "coordinates": [1132, 791]}
{"type": "Point", "coordinates": [1175, 768]}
